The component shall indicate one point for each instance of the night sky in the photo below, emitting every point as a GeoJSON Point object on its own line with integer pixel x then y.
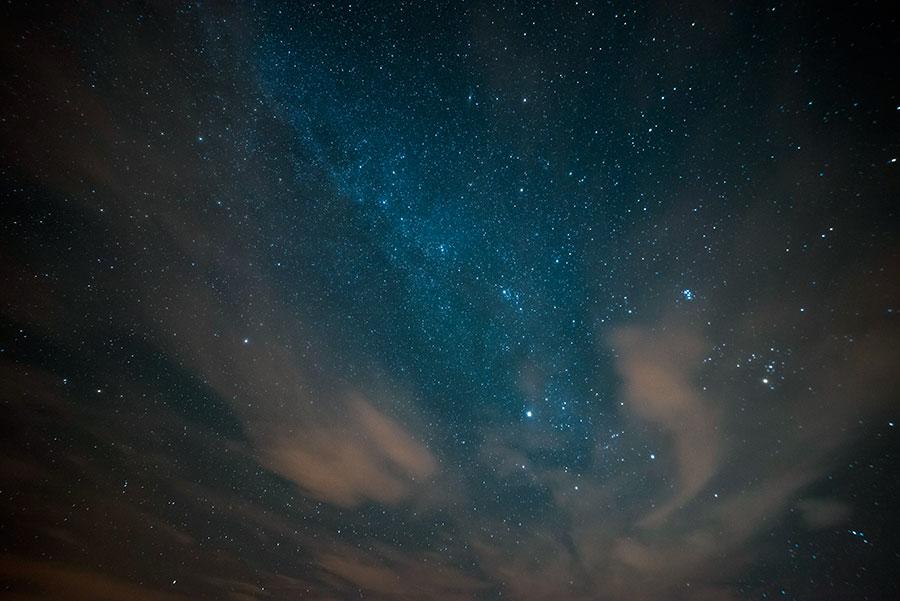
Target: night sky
{"type": "Point", "coordinates": [444, 301]}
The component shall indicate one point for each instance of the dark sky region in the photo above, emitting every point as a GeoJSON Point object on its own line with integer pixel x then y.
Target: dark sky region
{"type": "Point", "coordinates": [439, 301]}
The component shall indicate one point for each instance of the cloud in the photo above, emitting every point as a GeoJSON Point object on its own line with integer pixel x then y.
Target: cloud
{"type": "Point", "coordinates": [391, 574]}
{"type": "Point", "coordinates": [659, 369]}
{"type": "Point", "coordinates": [32, 580]}
{"type": "Point", "coordinates": [819, 513]}
{"type": "Point", "coordinates": [368, 456]}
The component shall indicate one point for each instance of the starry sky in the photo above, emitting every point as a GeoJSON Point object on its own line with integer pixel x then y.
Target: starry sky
{"type": "Point", "coordinates": [443, 301]}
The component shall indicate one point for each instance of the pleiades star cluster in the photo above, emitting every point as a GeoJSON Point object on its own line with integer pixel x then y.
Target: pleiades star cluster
{"type": "Point", "coordinates": [439, 301]}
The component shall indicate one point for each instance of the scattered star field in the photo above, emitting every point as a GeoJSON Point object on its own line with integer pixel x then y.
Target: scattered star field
{"type": "Point", "coordinates": [444, 301]}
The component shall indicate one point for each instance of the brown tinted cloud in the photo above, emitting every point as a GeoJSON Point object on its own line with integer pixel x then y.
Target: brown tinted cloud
{"type": "Point", "coordinates": [659, 369]}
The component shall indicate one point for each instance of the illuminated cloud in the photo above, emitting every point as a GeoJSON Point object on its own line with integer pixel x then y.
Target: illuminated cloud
{"type": "Point", "coordinates": [368, 456]}
{"type": "Point", "coordinates": [660, 370]}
